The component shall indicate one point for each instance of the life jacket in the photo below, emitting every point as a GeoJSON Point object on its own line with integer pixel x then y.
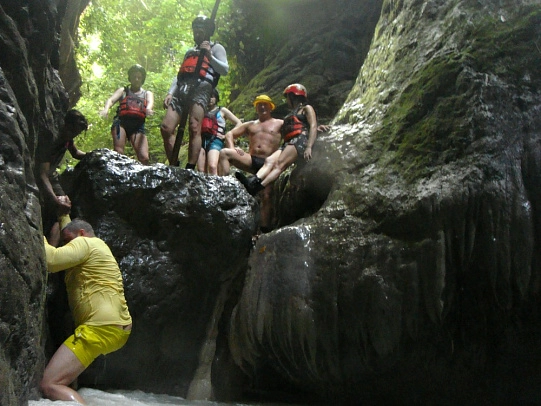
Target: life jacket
{"type": "Point", "coordinates": [209, 125]}
{"type": "Point", "coordinates": [294, 125]}
{"type": "Point", "coordinates": [213, 123]}
{"type": "Point", "coordinates": [132, 105]}
{"type": "Point", "coordinates": [189, 65]}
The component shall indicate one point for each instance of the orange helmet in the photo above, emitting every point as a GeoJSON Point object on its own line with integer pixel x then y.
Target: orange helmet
{"type": "Point", "coordinates": [297, 89]}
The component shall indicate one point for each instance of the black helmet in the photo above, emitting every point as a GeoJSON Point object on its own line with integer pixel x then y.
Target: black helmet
{"type": "Point", "coordinates": [205, 23]}
{"type": "Point", "coordinates": [216, 95]}
{"type": "Point", "coordinates": [137, 68]}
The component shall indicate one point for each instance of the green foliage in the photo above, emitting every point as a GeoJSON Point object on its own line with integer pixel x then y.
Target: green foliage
{"type": "Point", "coordinates": [423, 126]}
{"type": "Point", "coordinates": [114, 35]}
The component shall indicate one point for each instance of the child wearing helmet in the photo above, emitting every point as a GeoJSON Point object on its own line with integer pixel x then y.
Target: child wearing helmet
{"type": "Point", "coordinates": [191, 90]}
{"type": "Point", "coordinates": [299, 132]}
{"type": "Point", "coordinates": [135, 104]}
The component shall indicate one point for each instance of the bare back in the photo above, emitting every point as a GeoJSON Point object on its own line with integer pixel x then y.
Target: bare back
{"type": "Point", "coordinates": [264, 137]}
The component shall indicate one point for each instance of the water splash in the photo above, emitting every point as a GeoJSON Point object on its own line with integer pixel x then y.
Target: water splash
{"type": "Point", "coordinates": [96, 397]}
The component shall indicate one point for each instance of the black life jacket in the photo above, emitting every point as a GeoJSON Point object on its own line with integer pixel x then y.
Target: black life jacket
{"type": "Point", "coordinates": [294, 125]}
{"type": "Point", "coordinates": [206, 71]}
{"type": "Point", "coordinates": [132, 105]}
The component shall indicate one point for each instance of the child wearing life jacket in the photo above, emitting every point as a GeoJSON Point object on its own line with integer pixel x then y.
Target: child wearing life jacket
{"type": "Point", "coordinates": [135, 104]}
{"type": "Point", "coordinates": [213, 134]}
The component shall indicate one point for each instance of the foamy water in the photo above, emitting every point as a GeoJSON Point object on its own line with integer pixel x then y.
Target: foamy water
{"type": "Point", "coordinates": [96, 397]}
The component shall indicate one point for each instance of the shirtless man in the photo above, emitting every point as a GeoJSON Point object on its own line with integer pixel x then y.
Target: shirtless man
{"type": "Point", "coordinates": [264, 138]}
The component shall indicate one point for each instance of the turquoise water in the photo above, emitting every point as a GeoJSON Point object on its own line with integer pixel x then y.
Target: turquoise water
{"type": "Point", "coordinates": [96, 397]}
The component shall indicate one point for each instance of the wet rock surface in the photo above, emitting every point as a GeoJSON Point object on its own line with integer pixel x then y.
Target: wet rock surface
{"type": "Point", "coordinates": [405, 265]}
{"type": "Point", "coordinates": [418, 279]}
{"type": "Point", "coordinates": [181, 239]}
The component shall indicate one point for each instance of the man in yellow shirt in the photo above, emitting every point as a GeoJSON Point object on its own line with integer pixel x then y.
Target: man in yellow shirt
{"type": "Point", "coordinates": [96, 298]}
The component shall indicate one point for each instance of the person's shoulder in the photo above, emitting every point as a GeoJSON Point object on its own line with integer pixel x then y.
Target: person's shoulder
{"type": "Point", "coordinates": [217, 45]}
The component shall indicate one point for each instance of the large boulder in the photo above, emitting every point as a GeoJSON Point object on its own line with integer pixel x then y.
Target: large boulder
{"type": "Point", "coordinates": [182, 240]}
{"type": "Point", "coordinates": [32, 103]}
{"type": "Point", "coordinates": [418, 280]}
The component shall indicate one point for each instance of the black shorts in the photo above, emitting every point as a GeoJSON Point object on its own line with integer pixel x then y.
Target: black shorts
{"type": "Point", "coordinates": [190, 92]}
{"type": "Point", "coordinates": [130, 125]}
{"type": "Point", "coordinates": [257, 163]}
{"type": "Point", "coordinates": [299, 142]}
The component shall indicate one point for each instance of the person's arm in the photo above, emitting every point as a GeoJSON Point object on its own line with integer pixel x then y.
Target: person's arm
{"type": "Point", "coordinates": [170, 93]}
{"type": "Point", "coordinates": [111, 101]}
{"type": "Point", "coordinates": [63, 220]}
{"type": "Point", "coordinates": [235, 133]}
{"type": "Point", "coordinates": [47, 188]}
{"type": "Point", "coordinates": [76, 152]}
{"type": "Point", "coordinates": [312, 122]}
{"type": "Point", "coordinates": [228, 115]}
{"type": "Point", "coordinates": [150, 102]}
{"type": "Point", "coordinates": [218, 59]}
{"type": "Point", "coordinates": [72, 254]}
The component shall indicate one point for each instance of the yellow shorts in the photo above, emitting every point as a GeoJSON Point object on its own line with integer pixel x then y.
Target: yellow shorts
{"type": "Point", "coordinates": [89, 342]}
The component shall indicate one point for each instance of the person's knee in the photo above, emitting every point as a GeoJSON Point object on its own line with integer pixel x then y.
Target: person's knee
{"type": "Point", "coordinates": [195, 126]}
{"type": "Point", "coordinates": [166, 129]}
{"type": "Point", "coordinates": [213, 168]}
{"type": "Point", "coordinates": [46, 387]}
{"type": "Point", "coordinates": [225, 154]}
{"type": "Point", "coordinates": [270, 161]}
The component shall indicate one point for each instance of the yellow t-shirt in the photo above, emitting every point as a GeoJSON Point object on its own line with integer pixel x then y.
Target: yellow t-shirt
{"type": "Point", "coordinates": [93, 281]}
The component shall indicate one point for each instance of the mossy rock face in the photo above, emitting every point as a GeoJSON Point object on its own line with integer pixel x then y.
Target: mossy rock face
{"type": "Point", "coordinates": [324, 50]}
{"type": "Point", "coordinates": [424, 254]}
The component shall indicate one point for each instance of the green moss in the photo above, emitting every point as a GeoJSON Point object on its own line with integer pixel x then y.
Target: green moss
{"type": "Point", "coordinates": [509, 48]}
{"type": "Point", "coordinates": [429, 123]}
{"type": "Point", "coordinates": [424, 125]}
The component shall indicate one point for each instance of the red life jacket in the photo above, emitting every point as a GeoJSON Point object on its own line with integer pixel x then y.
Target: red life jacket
{"type": "Point", "coordinates": [133, 106]}
{"type": "Point", "coordinates": [189, 65]}
{"type": "Point", "coordinates": [209, 125]}
{"type": "Point", "coordinates": [294, 125]}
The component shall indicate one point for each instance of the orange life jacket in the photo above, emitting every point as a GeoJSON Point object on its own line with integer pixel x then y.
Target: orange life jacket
{"type": "Point", "coordinates": [133, 106]}
{"type": "Point", "coordinates": [189, 66]}
{"type": "Point", "coordinates": [294, 124]}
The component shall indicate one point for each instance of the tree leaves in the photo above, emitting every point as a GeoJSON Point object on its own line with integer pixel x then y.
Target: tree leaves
{"type": "Point", "coordinates": [114, 35]}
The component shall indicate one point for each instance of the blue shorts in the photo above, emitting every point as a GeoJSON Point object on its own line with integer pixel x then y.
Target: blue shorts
{"type": "Point", "coordinates": [212, 143]}
{"type": "Point", "coordinates": [89, 342]}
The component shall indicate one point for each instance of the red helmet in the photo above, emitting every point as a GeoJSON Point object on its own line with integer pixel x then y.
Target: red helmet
{"type": "Point", "coordinates": [297, 89]}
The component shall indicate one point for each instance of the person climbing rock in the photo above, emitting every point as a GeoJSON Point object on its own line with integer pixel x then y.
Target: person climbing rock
{"type": "Point", "coordinates": [96, 299]}
{"type": "Point", "coordinates": [49, 156]}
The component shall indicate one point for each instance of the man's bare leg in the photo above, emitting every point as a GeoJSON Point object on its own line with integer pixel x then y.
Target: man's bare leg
{"type": "Point", "coordinates": [167, 129]}
{"type": "Point", "coordinates": [196, 117]}
{"type": "Point", "coordinates": [202, 161]}
{"type": "Point", "coordinates": [63, 368]}
{"type": "Point", "coordinates": [265, 224]}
